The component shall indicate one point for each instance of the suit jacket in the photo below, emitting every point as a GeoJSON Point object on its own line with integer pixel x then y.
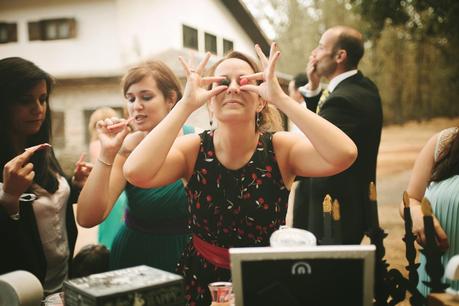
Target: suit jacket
{"type": "Point", "coordinates": [20, 242]}
{"type": "Point", "coordinates": [355, 107]}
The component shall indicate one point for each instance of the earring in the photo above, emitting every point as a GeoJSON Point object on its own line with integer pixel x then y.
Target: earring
{"type": "Point", "coordinates": [258, 120]}
{"type": "Point", "coordinates": [211, 122]}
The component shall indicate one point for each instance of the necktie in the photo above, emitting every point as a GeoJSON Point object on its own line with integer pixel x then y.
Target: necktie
{"type": "Point", "coordinates": [322, 99]}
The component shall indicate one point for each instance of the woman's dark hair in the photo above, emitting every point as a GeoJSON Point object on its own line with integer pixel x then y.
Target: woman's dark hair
{"type": "Point", "coordinates": [17, 77]}
{"type": "Point", "coordinates": [447, 164]}
{"type": "Point", "coordinates": [91, 259]}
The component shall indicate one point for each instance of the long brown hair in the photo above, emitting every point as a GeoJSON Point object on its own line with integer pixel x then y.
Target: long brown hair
{"type": "Point", "coordinates": [270, 118]}
{"type": "Point", "coordinates": [447, 164]}
{"type": "Point", "coordinates": [17, 76]}
{"type": "Point", "coordinates": [165, 79]}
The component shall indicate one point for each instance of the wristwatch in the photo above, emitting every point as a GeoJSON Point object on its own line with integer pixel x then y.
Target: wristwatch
{"type": "Point", "coordinates": [24, 198]}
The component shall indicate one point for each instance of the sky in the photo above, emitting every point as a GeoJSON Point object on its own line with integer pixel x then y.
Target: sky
{"type": "Point", "coordinates": [259, 8]}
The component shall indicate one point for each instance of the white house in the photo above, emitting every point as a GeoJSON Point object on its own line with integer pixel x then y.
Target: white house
{"type": "Point", "coordinates": [88, 45]}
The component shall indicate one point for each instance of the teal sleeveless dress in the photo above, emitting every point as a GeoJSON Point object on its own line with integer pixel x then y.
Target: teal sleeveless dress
{"type": "Point", "coordinates": [155, 229]}
{"type": "Point", "coordinates": [444, 197]}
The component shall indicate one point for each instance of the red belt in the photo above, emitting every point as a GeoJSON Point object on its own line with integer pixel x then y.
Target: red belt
{"type": "Point", "coordinates": [216, 255]}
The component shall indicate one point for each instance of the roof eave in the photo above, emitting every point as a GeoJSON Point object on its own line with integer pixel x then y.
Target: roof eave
{"type": "Point", "coordinates": [242, 14]}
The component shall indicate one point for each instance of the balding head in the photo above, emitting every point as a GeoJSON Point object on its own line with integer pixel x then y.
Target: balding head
{"type": "Point", "coordinates": [350, 40]}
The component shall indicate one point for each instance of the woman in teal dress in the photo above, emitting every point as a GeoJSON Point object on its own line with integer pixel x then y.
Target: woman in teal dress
{"type": "Point", "coordinates": [436, 176]}
{"type": "Point", "coordinates": [155, 229]}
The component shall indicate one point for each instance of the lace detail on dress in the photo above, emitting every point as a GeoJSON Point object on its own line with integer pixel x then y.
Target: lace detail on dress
{"type": "Point", "coordinates": [443, 139]}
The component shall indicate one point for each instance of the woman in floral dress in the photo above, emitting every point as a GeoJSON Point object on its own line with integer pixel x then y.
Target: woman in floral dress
{"type": "Point", "coordinates": [238, 175]}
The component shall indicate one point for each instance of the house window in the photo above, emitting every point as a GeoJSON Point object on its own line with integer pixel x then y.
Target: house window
{"type": "Point", "coordinates": [52, 29]}
{"type": "Point", "coordinates": [58, 129]}
{"type": "Point", "coordinates": [210, 43]}
{"type": "Point", "coordinates": [227, 46]}
{"type": "Point", "coordinates": [190, 37]}
{"type": "Point", "coordinates": [8, 32]}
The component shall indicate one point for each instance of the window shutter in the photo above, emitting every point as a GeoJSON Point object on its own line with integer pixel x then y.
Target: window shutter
{"type": "Point", "coordinates": [34, 30]}
{"type": "Point", "coordinates": [12, 29]}
{"type": "Point", "coordinates": [227, 46]}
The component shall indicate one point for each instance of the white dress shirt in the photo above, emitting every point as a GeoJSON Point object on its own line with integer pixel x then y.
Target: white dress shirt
{"type": "Point", "coordinates": [331, 86]}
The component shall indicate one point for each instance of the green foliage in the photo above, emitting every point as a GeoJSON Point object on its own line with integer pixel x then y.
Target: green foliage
{"type": "Point", "coordinates": [416, 42]}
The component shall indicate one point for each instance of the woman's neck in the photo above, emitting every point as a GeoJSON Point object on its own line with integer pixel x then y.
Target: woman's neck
{"type": "Point", "coordinates": [235, 144]}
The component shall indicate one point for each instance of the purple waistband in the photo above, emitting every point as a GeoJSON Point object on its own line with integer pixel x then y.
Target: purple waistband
{"type": "Point", "coordinates": [169, 226]}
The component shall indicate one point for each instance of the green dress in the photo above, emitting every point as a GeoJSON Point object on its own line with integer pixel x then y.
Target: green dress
{"type": "Point", "coordinates": [155, 230]}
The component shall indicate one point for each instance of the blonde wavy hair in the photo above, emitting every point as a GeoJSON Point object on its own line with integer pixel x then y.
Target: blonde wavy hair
{"type": "Point", "coordinates": [270, 117]}
{"type": "Point", "coordinates": [99, 114]}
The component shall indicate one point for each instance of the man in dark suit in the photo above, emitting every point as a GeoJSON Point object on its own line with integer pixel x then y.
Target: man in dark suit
{"type": "Point", "coordinates": [351, 102]}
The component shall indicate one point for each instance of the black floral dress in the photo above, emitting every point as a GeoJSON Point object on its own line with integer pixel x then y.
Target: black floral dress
{"type": "Point", "coordinates": [230, 208]}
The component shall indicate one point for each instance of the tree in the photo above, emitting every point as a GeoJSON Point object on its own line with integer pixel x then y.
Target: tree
{"type": "Point", "coordinates": [430, 70]}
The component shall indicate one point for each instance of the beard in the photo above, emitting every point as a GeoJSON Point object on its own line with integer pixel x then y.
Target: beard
{"type": "Point", "coordinates": [326, 67]}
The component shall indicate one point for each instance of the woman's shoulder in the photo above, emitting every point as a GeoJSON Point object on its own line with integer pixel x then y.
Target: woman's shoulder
{"type": "Point", "coordinates": [283, 138]}
{"type": "Point", "coordinates": [189, 142]}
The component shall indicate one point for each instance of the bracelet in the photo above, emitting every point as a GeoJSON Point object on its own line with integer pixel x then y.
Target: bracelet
{"type": "Point", "coordinates": [104, 162]}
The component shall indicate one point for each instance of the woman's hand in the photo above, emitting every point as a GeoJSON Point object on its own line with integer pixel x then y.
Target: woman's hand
{"type": "Point", "coordinates": [195, 93]}
{"type": "Point", "coordinates": [269, 89]}
{"type": "Point", "coordinates": [18, 174]}
{"type": "Point", "coordinates": [418, 227]}
{"type": "Point", "coordinates": [111, 133]}
{"type": "Point", "coordinates": [311, 72]}
{"type": "Point", "coordinates": [81, 172]}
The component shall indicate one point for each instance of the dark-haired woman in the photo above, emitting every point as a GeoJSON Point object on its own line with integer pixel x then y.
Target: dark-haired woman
{"type": "Point", "coordinates": [435, 175]}
{"type": "Point", "coordinates": [37, 227]}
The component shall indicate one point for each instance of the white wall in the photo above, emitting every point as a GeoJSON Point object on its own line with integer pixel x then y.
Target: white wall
{"type": "Point", "coordinates": [94, 52]}
{"type": "Point", "coordinates": [162, 28]}
{"type": "Point", "coordinates": [112, 34]}
{"type": "Point", "coordinates": [74, 99]}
